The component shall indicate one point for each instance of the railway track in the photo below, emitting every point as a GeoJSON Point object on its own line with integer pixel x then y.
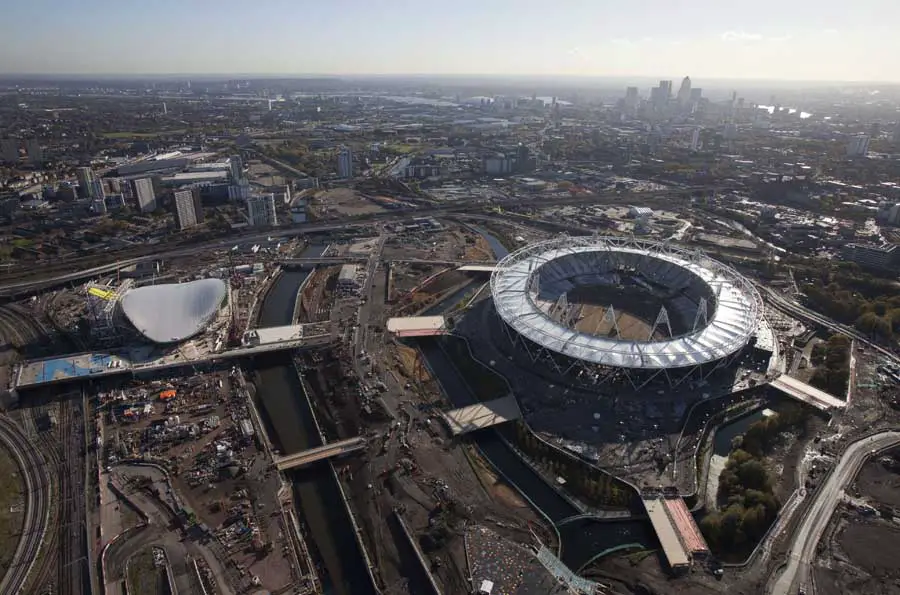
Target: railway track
{"type": "Point", "coordinates": [37, 506]}
{"type": "Point", "coordinates": [73, 559]}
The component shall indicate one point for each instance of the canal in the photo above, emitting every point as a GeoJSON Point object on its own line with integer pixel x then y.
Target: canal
{"type": "Point", "coordinates": [292, 428]}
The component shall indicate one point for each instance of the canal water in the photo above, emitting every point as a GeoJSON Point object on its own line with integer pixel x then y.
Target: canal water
{"type": "Point", "coordinates": [726, 434]}
{"type": "Point", "coordinates": [291, 426]}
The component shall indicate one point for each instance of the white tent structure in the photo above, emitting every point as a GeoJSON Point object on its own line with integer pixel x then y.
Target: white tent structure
{"type": "Point", "coordinates": [173, 312]}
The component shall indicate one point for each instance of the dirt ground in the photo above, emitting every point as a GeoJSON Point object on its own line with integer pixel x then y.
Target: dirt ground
{"type": "Point", "coordinates": [878, 482]}
{"type": "Point", "coordinates": [873, 548]}
{"type": "Point", "coordinates": [344, 202]}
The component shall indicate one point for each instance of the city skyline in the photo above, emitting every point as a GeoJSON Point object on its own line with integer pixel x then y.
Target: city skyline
{"type": "Point", "coordinates": [804, 41]}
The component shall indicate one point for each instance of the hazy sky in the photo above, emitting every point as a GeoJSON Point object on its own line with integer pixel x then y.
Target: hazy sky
{"type": "Point", "coordinates": [784, 39]}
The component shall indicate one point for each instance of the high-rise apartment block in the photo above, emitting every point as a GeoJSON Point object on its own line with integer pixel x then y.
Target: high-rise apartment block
{"type": "Point", "coordinates": [345, 163]}
{"type": "Point", "coordinates": [261, 210]}
{"type": "Point", "coordinates": [145, 195]}
{"type": "Point", "coordinates": [85, 176]}
{"type": "Point", "coordinates": [236, 165]}
{"type": "Point", "coordinates": [188, 208]}
{"type": "Point", "coordinates": [858, 146]}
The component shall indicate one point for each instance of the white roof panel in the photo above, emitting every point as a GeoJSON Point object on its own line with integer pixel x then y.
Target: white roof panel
{"type": "Point", "coordinates": [175, 311]}
{"type": "Point", "coordinates": [729, 327]}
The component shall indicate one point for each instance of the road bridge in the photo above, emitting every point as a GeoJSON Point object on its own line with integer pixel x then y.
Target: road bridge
{"type": "Point", "coordinates": [320, 453]}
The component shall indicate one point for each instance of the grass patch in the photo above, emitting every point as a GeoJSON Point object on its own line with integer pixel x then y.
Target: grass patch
{"type": "Point", "coordinates": [12, 506]}
{"type": "Point", "coordinates": [144, 578]}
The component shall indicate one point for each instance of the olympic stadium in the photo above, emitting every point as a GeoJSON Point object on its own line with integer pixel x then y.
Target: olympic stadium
{"type": "Point", "coordinates": [616, 309]}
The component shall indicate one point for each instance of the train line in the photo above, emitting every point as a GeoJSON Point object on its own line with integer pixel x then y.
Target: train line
{"type": "Point", "coordinates": [37, 506]}
{"type": "Point", "coordinates": [71, 531]}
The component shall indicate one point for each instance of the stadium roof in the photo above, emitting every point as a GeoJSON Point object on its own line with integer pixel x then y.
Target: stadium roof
{"type": "Point", "coordinates": [729, 327]}
{"type": "Point", "coordinates": [173, 312]}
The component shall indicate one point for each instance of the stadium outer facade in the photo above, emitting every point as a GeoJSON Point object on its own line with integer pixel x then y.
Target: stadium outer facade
{"type": "Point", "coordinates": [530, 287]}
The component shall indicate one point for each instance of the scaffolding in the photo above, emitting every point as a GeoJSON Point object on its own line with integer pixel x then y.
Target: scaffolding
{"type": "Point", "coordinates": [102, 302]}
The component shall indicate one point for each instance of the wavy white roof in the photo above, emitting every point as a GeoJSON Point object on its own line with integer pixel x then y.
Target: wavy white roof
{"type": "Point", "coordinates": [737, 306]}
{"type": "Point", "coordinates": [173, 312]}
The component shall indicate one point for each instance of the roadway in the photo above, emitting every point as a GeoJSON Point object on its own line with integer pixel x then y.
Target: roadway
{"type": "Point", "coordinates": [807, 536]}
{"type": "Point", "coordinates": [463, 206]}
{"type": "Point", "coordinates": [37, 501]}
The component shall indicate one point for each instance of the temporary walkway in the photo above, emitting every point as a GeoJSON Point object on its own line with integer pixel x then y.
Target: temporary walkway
{"type": "Point", "coordinates": [675, 553]}
{"type": "Point", "coordinates": [807, 393]}
{"type": "Point", "coordinates": [483, 415]}
{"type": "Point", "coordinates": [477, 268]}
{"type": "Point", "coordinates": [687, 528]}
{"type": "Point", "coordinates": [417, 326]}
{"type": "Point", "coordinates": [320, 453]}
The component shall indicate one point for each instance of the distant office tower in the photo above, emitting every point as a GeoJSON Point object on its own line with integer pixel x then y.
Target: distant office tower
{"type": "Point", "coordinates": [165, 109]}
{"type": "Point", "coordinates": [9, 150]}
{"type": "Point", "coordinates": [896, 135]}
{"type": "Point", "coordinates": [188, 208]}
{"type": "Point", "coordinates": [261, 210]}
{"type": "Point", "coordinates": [145, 195]}
{"type": "Point", "coordinates": [666, 89]}
{"type": "Point", "coordinates": [34, 150]}
{"type": "Point", "coordinates": [237, 167]}
{"type": "Point", "coordinates": [631, 95]}
{"type": "Point", "coordinates": [684, 92]}
{"type": "Point", "coordinates": [695, 139]}
{"type": "Point", "coordinates": [85, 176]}
{"type": "Point", "coordinates": [345, 163]}
{"type": "Point", "coordinates": [858, 146]}
{"type": "Point", "coordinates": [730, 131]}
{"type": "Point", "coordinates": [696, 94]}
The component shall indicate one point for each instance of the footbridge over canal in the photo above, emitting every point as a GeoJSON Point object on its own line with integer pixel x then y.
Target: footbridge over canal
{"type": "Point", "coordinates": [320, 453]}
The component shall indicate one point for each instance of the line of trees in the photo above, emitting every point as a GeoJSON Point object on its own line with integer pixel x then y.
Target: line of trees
{"type": "Point", "coordinates": [587, 483]}
{"type": "Point", "coordinates": [832, 361]}
{"type": "Point", "coordinates": [847, 294]}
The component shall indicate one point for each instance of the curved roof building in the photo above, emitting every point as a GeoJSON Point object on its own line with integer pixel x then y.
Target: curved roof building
{"type": "Point", "coordinates": [529, 285]}
{"type": "Point", "coordinates": [173, 312]}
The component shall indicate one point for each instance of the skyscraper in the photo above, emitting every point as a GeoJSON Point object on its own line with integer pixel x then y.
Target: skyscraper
{"type": "Point", "coordinates": [684, 93]}
{"type": "Point", "coordinates": [145, 195]}
{"type": "Point", "coordinates": [345, 163]}
{"type": "Point", "coordinates": [896, 135]}
{"type": "Point", "coordinates": [261, 210]}
{"type": "Point", "coordinates": [188, 208]}
{"type": "Point", "coordinates": [695, 139]}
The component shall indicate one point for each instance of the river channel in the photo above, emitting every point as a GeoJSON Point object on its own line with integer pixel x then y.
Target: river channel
{"type": "Point", "coordinates": [292, 429]}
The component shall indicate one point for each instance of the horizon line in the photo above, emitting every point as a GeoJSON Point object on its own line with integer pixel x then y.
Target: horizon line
{"type": "Point", "coordinates": [257, 75]}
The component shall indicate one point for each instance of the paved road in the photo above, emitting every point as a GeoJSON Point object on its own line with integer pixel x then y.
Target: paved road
{"type": "Point", "coordinates": [464, 206]}
{"type": "Point", "coordinates": [807, 536]}
{"type": "Point", "coordinates": [34, 526]}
